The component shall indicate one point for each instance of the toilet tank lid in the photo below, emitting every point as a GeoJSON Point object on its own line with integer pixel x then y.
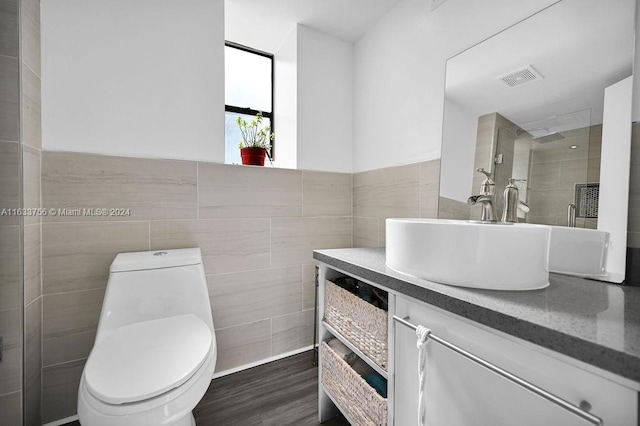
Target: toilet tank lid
{"type": "Point", "coordinates": [144, 260]}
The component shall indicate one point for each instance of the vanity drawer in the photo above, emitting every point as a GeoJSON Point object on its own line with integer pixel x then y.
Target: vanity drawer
{"type": "Point", "coordinates": [356, 398]}
{"type": "Point", "coordinates": [363, 324]}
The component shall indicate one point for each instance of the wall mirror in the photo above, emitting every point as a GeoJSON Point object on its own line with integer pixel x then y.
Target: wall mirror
{"type": "Point", "coordinates": [548, 102]}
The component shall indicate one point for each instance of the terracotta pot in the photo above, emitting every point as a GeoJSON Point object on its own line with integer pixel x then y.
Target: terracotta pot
{"type": "Point", "coordinates": [253, 156]}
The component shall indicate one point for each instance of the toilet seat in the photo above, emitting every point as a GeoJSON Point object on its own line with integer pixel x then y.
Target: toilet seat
{"type": "Point", "coordinates": [144, 360]}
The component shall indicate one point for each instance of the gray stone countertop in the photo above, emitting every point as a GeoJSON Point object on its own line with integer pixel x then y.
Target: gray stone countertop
{"type": "Point", "coordinates": [591, 321]}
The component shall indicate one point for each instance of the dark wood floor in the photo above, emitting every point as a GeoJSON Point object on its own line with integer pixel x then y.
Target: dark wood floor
{"type": "Point", "coordinates": [281, 393]}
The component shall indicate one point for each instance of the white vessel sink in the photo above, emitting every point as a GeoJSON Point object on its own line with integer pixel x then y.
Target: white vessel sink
{"type": "Point", "coordinates": [578, 251]}
{"type": "Point", "coordinates": [461, 253]}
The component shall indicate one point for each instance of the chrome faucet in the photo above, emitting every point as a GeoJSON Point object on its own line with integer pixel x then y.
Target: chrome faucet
{"type": "Point", "coordinates": [571, 215]}
{"type": "Point", "coordinates": [512, 202]}
{"type": "Point", "coordinates": [485, 198]}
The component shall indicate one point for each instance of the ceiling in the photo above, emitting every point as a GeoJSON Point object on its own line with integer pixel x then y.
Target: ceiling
{"type": "Point", "coordinates": [578, 46]}
{"type": "Point", "coordinates": [270, 21]}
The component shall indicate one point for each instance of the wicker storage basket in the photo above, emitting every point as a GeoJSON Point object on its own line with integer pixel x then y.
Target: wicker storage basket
{"type": "Point", "coordinates": [364, 325]}
{"type": "Point", "coordinates": [360, 402]}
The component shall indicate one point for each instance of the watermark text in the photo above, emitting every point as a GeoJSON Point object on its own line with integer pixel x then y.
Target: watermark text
{"type": "Point", "coordinates": [68, 212]}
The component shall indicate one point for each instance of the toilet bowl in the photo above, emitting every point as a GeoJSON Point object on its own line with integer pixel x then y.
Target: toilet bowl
{"type": "Point", "coordinates": [155, 349]}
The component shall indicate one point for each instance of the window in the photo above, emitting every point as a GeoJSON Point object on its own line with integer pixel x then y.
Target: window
{"type": "Point", "coordinates": [248, 90]}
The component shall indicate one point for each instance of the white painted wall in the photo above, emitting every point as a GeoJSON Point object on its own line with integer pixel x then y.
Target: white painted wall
{"type": "Point", "coordinates": [399, 70]}
{"type": "Point", "coordinates": [145, 78]}
{"type": "Point", "coordinates": [613, 203]}
{"type": "Point", "coordinates": [325, 102]}
{"type": "Point", "coordinates": [313, 90]}
{"type": "Point", "coordinates": [286, 102]}
{"type": "Point", "coordinates": [245, 24]}
{"type": "Point", "coordinates": [460, 131]}
{"type": "Point", "coordinates": [140, 78]}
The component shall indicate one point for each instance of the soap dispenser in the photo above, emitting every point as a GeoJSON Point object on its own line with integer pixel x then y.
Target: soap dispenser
{"type": "Point", "coordinates": [511, 201]}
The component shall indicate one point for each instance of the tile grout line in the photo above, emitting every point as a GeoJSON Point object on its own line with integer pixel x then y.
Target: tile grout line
{"type": "Point", "coordinates": [41, 351]}
{"type": "Point", "coordinates": [25, 63]}
{"type": "Point", "coordinates": [352, 215]}
{"type": "Point", "coordinates": [242, 271]}
{"type": "Point", "coordinates": [10, 309]}
{"type": "Point", "coordinates": [21, 221]}
{"type": "Point", "coordinates": [419, 187]}
{"type": "Point", "coordinates": [94, 222]}
{"type": "Point", "coordinates": [41, 342]}
{"type": "Point", "coordinates": [291, 313]}
{"type": "Point", "coordinates": [245, 323]}
{"type": "Point", "coordinates": [249, 219]}
{"type": "Point", "coordinates": [74, 291]}
{"type": "Point", "coordinates": [11, 393]}
{"type": "Point", "coordinates": [64, 362]}
{"type": "Point", "coordinates": [197, 190]}
{"type": "Point", "coordinates": [40, 221]}
{"type": "Point", "coordinates": [2, 55]}
{"type": "Point", "coordinates": [30, 303]}
{"type": "Point", "coordinates": [270, 243]}
{"type": "Point", "coordinates": [271, 336]}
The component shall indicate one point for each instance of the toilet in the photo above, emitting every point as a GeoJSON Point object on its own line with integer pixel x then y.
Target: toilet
{"type": "Point", "coordinates": [155, 349]}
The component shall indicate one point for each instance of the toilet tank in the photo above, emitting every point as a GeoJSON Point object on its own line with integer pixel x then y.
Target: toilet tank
{"type": "Point", "coordinates": [151, 285]}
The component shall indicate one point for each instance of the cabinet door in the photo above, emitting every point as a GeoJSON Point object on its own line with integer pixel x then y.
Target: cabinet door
{"type": "Point", "coordinates": [460, 392]}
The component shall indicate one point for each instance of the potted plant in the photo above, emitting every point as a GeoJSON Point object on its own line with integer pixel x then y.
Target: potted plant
{"type": "Point", "coordinates": [256, 141]}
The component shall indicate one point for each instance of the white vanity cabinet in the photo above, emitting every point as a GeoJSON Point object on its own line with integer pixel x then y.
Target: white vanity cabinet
{"type": "Point", "coordinates": [364, 330]}
{"type": "Point", "coordinates": [460, 392]}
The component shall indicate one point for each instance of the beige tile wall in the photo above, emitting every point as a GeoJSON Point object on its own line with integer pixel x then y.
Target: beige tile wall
{"type": "Point", "coordinates": [228, 245]}
{"type": "Point", "coordinates": [11, 282]}
{"type": "Point", "coordinates": [33, 365]}
{"type": "Point", "coordinates": [151, 189]}
{"type": "Point", "coordinates": [506, 145]}
{"type": "Point", "coordinates": [10, 369]}
{"type": "Point", "coordinates": [554, 171]}
{"type": "Point", "coordinates": [486, 143]}
{"type": "Point", "coordinates": [487, 140]}
{"type": "Point", "coordinates": [9, 179]}
{"type": "Point", "coordinates": [20, 263]}
{"type": "Point", "coordinates": [9, 28]}
{"type": "Point", "coordinates": [453, 209]}
{"type": "Point", "coordinates": [402, 191]}
{"type": "Point", "coordinates": [256, 227]}
{"type": "Point", "coordinates": [31, 135]}
{"type": "Point", "coordinates": [393, 192]}
{"type": "Point", "coordinates": [10, 100]}
{"type": "Point", "coordinates": [225, 191]}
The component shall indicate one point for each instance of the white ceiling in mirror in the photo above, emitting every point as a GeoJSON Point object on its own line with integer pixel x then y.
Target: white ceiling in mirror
{"type": "Point", "coordinates": [580, 51]}
{"type": "Point", "coordinates": [270, 21]}
{"type": "Point", "coordinates": [558, 123]}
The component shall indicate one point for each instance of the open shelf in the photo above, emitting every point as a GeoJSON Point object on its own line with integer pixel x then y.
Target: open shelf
{"type": "Point", "coordinates": [355, 350]}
